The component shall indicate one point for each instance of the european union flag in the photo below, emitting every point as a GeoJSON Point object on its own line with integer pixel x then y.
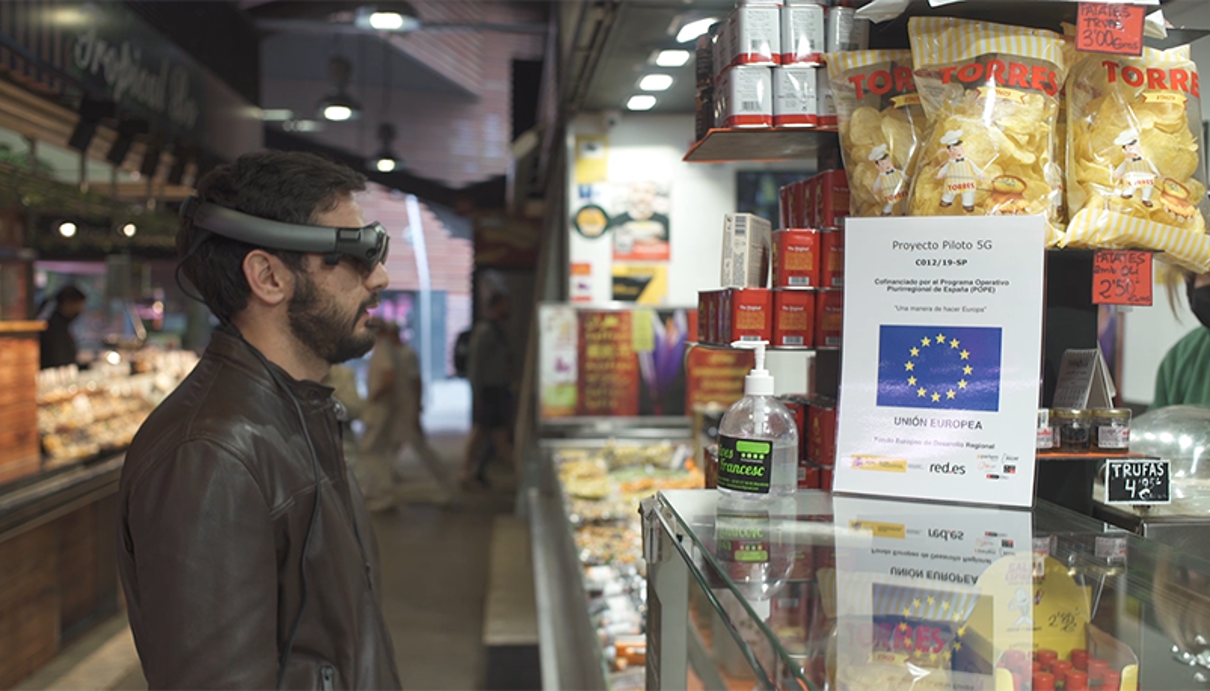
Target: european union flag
{"type": "Point", "coordinates": [938, 367]}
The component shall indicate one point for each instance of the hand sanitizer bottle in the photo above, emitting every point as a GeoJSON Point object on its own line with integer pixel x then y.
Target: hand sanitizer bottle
{"type": "Point", "coordinates": [758, 441]}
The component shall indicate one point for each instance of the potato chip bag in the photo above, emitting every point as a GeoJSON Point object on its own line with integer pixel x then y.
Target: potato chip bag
{"type": "Point", "coordinates": [991, 96]}
{"type": "Point", "coordinates": [1135, 171]}
{"type": "Point", "coordinates": [881, 126]}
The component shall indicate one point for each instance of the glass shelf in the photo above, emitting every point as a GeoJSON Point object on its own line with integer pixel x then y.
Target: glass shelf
{"type": "Point", "coordinates": [821, 592]}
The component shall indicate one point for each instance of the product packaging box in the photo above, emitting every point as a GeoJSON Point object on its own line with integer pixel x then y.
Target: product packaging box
{"type": "Point", "coordinates": [749, 315]}
{"type": "Point", "coordinates": [821, 432]}
{"type": "Point", "coordinates": [803, 36]}
{"type": "Point", "coordinates": [829, 317]}
{"type": "Point", "coordinates": [747, 246]}
{"type": "Point", "coordinates": [793, 318]}
{"type": "Point", "coordinates": [827, 114]}
{"type": "Point", "coordinates": [755, 34]}
{"type": "Point", "coordinates": [796, 258]}
{"type": "Point", "coordinates": [831, 259]}
{"type": "Point", "coordinates": [794, 100]}
{"type": "Point", "coordinates": [743, 97]}
{"type": "Point", "coordinates": [844, 31]}
{"type": "Point", "coordinates": [831, 199]}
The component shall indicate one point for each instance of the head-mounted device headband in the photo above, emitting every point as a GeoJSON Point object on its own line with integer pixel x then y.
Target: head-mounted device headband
{"type": "Point", "coordinates": [367, 245]}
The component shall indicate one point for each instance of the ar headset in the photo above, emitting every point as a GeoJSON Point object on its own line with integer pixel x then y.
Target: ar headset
{"type": "Point", "coordinates": [366, 245]}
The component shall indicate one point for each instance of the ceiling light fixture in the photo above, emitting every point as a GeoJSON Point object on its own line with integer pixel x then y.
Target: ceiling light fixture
{"type": "Point", "coordinates": [641, 102]}
{"type": "Point", "coordinates": [385, 161]}
{"type": "Point", "coordinates": [338, 105]}
{"type": "Point", "coordinates": [129, 229]}
{"type": "Point", "coordinates": [655, 82]}
{"type": "Point", "coordinates": [395, 17]}
{"type": "Point", "coordinates": [690, 31]}
{"type": "Point", "coordinates": [672, 58]}
{"type": "Point", "coordinates": [67, 229]}
{"type": "Point", "coordinates": [303, 126]}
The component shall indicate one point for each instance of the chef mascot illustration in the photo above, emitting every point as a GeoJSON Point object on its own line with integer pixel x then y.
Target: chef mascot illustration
{"type": "Point", "coordinates": [891, 185]}
{"type": "Point", "coordinates": [1135, 172]}
{"type": "Point", "coordinates": [961, 176]}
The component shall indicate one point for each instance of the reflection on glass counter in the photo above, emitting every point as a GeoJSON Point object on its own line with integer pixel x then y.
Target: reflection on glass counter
{"type": "Point", "coordinates": [823, 592]}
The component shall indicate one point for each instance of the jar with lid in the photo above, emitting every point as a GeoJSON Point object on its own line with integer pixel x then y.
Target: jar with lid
{"type": "Point", "coordinates": [1073, 428]}
{"type": "Point", "coordinates": [1111, 429]}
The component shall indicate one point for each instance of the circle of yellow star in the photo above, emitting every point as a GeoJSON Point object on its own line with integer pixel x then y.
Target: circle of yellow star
{"type": "Point", "coordinates": [945, 605]}
{"type": "Point", "coordinates": [915, 352]}
{"type": "Point", "coordinates": [940, 339]}
{"type": "Point", "coordinates": [911, 381]}
{"type": "Point", "coordinates": [936, 397]}
{"type": "Point", "coordinates": [957, 646]}
{"type": "Point", "coordinates": [909, 365]}
{"type": "Point", "coordinates": [907, 613]}
{"type": "Point", "coordinates": [966, 354]}
{"type": "Point", "coordinates": [949, 394]}
{"type": "Point", "coordinates": [903, 626]}
{"type": "Point", "coordinates": [921, 392]}
{"type": "Point", "coordinates": [961, 383]}
{"type": "Point", "coordinates": [962, 631]}
{"type": "Point", "coordinates": [968, 370]}
{"type": "Point", "coordinates": [932, 600]}
{"type": "Point", "coordinates": [916, 603]}
{"type": "Point", "coordinates": [926, 341]}
{"type": "Point", "coordinates": [954, 343]}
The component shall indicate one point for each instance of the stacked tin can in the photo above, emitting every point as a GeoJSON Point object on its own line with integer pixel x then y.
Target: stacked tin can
{"type": "Point", "coordinates": [768, 58]}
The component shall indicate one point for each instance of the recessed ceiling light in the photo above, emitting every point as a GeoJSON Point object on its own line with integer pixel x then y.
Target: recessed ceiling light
{"type": "Point", "coordinates": [672, 58]}
{"type": "Point", "coordinates": [68, 229]}
{"type": "Point", "coordinates": [337, 113]}
{"type": "Point", "coordinates": [655, 82]}
{"type": "Point", "coordinates": [641, 102]}
{"type": "Point", "coordinates": [129, 229]}
{"type": "Point", "coordinates": [692, 30]}
{"type": "Point", "coordinates": [386, 21]}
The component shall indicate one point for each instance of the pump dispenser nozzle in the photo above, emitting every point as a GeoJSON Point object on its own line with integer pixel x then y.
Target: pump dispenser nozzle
{"type": "Point", "coordinates": [758, 382]}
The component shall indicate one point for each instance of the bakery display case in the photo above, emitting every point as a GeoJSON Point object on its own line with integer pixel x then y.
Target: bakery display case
{"type": "Point", "coordinates": [831, 592]}
{"type": "Point", "coordinates": [86, 414]}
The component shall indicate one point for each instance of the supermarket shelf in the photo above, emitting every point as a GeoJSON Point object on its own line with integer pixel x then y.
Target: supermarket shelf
{"type": "Point", "coordinates": [727, 145]}
{"type": "Point", "coordinates": [1085, 456]}
{"type": "Point", "coordinates": [22, 326]}
{"type": "Point", "coordinates": [768, 349]}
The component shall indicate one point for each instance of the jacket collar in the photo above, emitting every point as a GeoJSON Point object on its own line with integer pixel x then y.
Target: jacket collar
{"type": "Point", "coordinates": [228, 344]}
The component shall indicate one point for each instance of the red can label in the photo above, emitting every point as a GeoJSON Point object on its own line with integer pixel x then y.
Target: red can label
{"type": "Point", "coordinates": [821, 434]}
{"type": "Point", "coordinates": [832, 198]}
{"type": "Point", "coordinates": [831, 260]}
{"type": "Point", "coordinates": [829, 318]}
{"type": "Point", "coordinates": [796, 258]}
{"type": "Point", "coordinates": [751, 314]}
{"type": "Point", "coordinates": [793, 318]}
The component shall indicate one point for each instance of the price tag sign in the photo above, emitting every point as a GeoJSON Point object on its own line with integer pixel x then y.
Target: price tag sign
{"type": "Point", "coordinates": [1138, 481]}
{"type": "Point", "coordinates": [1110, 28]}
{"type": "Point", "coordinates": [1121, 277]}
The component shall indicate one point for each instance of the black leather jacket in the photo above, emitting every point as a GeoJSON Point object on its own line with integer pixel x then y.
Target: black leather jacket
{"type": "Point", "coordinates": [216, 499]}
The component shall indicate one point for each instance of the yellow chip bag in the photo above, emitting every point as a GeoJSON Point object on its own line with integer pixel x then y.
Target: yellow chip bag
{"type": "Point", "coordinates": [881, 126]}
{"type": "Point", "coordinates": [991, 95]}
{"type": "Point", "coordinates": [1135, 173]}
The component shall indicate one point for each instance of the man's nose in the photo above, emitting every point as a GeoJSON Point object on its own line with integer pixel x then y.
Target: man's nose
{"type": "Point", "coordinates": [378, 279]}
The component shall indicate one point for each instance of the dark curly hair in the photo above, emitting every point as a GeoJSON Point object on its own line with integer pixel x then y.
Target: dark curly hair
{"type": "Point", "coordinates": [287, 186]}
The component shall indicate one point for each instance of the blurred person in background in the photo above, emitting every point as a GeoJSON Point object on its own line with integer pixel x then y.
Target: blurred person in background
{"type": "Point", "coordinates": [1184, 374]}
{"type": "Point", "coordinates": [489, 370]}
{"type": "Point", "coordinates": [246, 553]}
{"type": "Point", "coordinates": [392, 418]}
{"type": "Point", "coordinates": [57, 344]}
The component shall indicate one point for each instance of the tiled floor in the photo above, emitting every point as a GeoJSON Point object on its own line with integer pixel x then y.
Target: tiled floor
{"type": "Point", "coordinates": [435, 571]}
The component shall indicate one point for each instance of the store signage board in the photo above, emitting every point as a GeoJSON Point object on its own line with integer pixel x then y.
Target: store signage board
{"type": "Point", "coordinates": [942, 343]}
{"type": "Point", "coordinates": [1121, 277]}
{"type": "Point", "coordinates": [1137, 481]}
{"type": "Point", "coordinates": [1103, 27]}
{"type": "Point", "coordinates": [1084, 381]}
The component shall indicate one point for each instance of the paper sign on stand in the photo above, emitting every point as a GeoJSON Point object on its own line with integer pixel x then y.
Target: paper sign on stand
{"type": "Point", "coordinates": [943, 335]}
{"type": "Point", "coordinates": [1084, 381]}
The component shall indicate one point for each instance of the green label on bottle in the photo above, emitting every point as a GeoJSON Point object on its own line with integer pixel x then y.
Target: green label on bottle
{"type": "Point", "coordinates": [744, 465]}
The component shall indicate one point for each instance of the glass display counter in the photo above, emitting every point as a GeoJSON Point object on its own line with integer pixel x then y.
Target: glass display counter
{"type": "Point", "coordinates": [828, 592]}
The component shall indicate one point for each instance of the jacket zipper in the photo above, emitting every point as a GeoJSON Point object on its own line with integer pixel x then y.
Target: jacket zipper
{"type": "Point", "coordinates": [329, 678]}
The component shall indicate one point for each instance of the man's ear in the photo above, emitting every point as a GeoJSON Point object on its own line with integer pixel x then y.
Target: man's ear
{"type": "Point", "coordinates": [271, 281]}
